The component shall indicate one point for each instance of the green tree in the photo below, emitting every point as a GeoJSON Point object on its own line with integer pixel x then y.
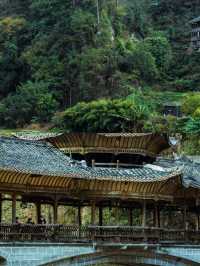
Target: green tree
{"type": "Point", "coordinates": [136, 59]}
{"type": "Point", "coordinates": [160, 48]}
{"type": "Point", "coordinates": [12, 69]}
{"type": "Point", "coordinates": [138, 17]}
{"type": "Point", "coordinates": [32, 102]}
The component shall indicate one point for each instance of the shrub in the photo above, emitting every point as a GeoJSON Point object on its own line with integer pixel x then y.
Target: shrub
{"type": "Point", "coordinates": [192, 126]}
{"type": "Point", "coordinates": [191, 103]}
{"type": "Point", "coordinates": [104, 116]}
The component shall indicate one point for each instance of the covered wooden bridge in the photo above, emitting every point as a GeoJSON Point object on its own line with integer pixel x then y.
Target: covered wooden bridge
{"type": "Point", "coordinates": [152, 193]}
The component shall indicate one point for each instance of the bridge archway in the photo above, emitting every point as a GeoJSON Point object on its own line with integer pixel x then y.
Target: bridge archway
{"type": "Point", "coordinates": [136, 257]}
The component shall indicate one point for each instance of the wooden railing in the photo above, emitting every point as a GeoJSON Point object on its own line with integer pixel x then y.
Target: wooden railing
{"type": "Point", "coordinates": [116, 165]}
{"type": "Point", "coordinates": [101, 234]}
{"type": "Point", "coordinates": [52, 233]}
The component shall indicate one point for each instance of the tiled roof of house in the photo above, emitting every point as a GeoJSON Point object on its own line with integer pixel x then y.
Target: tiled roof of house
{"type": "Point", "coordinates": [39, 158]}
{"type": "Point", "coordinates": [190, 169]}
{"type": "Point", "coordinates": [197, 19]}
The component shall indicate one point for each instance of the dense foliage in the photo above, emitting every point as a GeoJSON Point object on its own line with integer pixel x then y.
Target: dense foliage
{"type": "Point", "coordinates": [105, 116]}
{"type": "Point", "coordinates": [139, 112]}
{"type": "Point", "coordinates": [56, 53]}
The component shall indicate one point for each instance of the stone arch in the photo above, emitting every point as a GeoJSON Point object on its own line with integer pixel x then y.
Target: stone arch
{"type": "Point", "coordinates": [136, 257]}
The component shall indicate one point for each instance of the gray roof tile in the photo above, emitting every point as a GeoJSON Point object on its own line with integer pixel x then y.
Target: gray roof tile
{"type": "Point", "coordinates": [41, 158]}
{"type": "Point", "coordinates": [189, 168]}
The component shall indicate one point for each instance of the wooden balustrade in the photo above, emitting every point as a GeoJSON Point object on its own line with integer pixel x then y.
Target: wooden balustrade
{"type": "Point", "coordinates": [114, 234]}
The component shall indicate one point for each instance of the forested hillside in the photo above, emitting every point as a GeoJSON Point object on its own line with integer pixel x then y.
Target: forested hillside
{"type": "Point", "coordinates": [57, 53]}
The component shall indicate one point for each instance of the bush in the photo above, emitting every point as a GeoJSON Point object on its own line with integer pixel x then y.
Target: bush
{"type": "Point", "coordinates": [192, 126]}
{"type": "Point", "coordinates": [160, 124]}
{"type": "Point", "coordinates": [191, 145]}
{"type": "Point", "coordinates": [104, 116]}
{"type": "Point", "coordinates": [196, 114]}
{"type": "Point", "coordinates": [191, 103]}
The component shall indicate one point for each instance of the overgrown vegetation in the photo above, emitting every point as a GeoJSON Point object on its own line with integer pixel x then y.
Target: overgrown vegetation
{"type": "Point", "coordinates": [139, 112]}
{"type": "Point", "coordinates": [105, 116]}
{"type": "Point", "coordinates": [55, 54]}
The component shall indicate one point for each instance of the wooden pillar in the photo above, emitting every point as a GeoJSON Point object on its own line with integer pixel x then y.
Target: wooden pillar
{"type": "Point", "coordinates": [93, 209]}
{"type": "Point", "coordinates": [13, 208]}
{"type": "Point", "coordinates": [156, 216]}
{"type": "Point", "coordinates": [130, 216]}
{"type": "Point", "coordinates": [144, 214]}
{"type": "Point", "coordinates": [93, 163]}
{"type": "Point", "coordinates": [197, 222]}
{"type": "Point", "coordinates": [1, 209]}
{"type": "Point", "coordinates": [185, 224]}
{"type": "Point", "coordinates": [38, 212]}
{"type": "Point", "coordinates": [159, 223]}
{"type": "Point", "coordinates": [79, 216]}
{"type": "Point", "coordinates": [55, 212]}
{"type": "Point", "coordinates": [170, 217]}
{"type": "Point", "coordinates": [100, 216]}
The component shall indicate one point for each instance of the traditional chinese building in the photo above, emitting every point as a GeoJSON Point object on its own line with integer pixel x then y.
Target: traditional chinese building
{"type": "Point", "coordinates": [122, 171]}
{"type": "Point", "coordinates": [195, 34]}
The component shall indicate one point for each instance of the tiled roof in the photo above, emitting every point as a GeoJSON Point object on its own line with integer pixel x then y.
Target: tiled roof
{"type": "Point", "coordinates": [38, 158]}
{"type": "Point", "coordinates": [37, 135]}
{"type": "Point", "coordinates": [197, 19]}
{"type": "Point", "coordinates": [33, 157]}
{"type": "Point", "coordinates": [190, 169]}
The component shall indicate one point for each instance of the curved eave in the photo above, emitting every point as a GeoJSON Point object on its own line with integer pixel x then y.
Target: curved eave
{"type": "Point", "coordinates": [80, 187]}
{"type": "Point", "coordinates": [140, 143]}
